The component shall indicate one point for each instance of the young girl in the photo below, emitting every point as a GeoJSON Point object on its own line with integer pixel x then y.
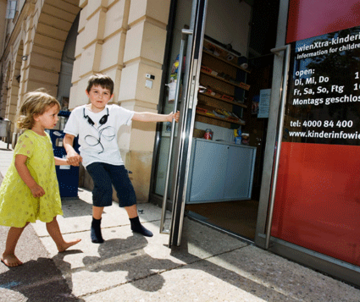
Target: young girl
{"type": "Point", "coordinates": [30, 189]}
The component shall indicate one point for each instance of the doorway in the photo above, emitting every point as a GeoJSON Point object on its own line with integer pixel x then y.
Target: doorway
{"type": "Point", "coordinates": [230, 104]}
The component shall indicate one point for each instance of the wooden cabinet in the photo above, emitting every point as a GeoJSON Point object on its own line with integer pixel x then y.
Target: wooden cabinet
{"type": "Point", "coordinates": [222, 87]}
{"type": "Point", "coordinates": [220, 172]}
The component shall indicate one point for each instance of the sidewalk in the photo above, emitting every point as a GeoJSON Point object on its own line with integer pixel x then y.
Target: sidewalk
{"type": "Point", "coordinates": [209, 265]}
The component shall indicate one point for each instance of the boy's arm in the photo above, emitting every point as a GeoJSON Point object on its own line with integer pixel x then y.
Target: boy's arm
{"type": "Point", "coordinates": [73, 158]}
{"type": "Point", "coordinates": [20, 165]}
{"type": "Point", "coordinates": [155, 117]}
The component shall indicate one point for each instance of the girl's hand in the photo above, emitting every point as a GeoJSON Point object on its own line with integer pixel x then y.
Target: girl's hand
{"type": "Point", "coordinates": [174, 116]}
{"type": "Point", "coordinates": [37, 191]}
{"type": "Point", "coordinates": [74, 163]}
{"type": "Point", "coordinates": [73, 158]}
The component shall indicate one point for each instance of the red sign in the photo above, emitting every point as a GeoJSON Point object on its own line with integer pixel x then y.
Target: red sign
{"type": "Point", "coordinates": [311, 18]}
{"type": "Point", "coordinates": [317, 202]}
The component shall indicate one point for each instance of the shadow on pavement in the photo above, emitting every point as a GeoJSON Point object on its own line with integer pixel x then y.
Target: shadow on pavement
{"type": "Point", "coordinates": [37, 280]}
{"type": "Point", "coordinates": [129, 255]}
{"type": "Point", "coordinates": [246, 281]}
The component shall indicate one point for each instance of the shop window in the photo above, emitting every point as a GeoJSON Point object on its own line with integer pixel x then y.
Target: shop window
{"type": "Point", "coordinates": [11, 9]}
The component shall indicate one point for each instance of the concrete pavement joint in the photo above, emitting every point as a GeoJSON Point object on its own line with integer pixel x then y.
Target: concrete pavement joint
{"type": "Point", "coordinates": [103, 228]}
{"type": "Point", "coordinates": [151, 274]}
{"type": "Point", "coordinates": [21, 287]}
{"type": "Point", "coordinates": [120, 284]}
{"type": "Point", "coordinates": [131, 281]}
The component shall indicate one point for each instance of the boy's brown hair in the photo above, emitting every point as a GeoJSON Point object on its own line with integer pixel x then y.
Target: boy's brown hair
{"type": "Point", "coordinates": [101, 80]}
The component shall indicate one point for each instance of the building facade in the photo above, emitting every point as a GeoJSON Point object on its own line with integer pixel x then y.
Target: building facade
{"type": "Point", "coordinates": [123, 39]}
{"type": "Point", "coordinates": [276, 72]}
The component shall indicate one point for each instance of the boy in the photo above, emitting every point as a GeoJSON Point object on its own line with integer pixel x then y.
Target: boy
{"type": "Point", "coordinates": [97, 125]}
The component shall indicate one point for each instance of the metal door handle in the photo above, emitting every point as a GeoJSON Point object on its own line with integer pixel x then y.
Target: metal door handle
{"type": "Point", "coordinates": [276, 51]}
{"type": "Point", "coordinates": [185, 33]}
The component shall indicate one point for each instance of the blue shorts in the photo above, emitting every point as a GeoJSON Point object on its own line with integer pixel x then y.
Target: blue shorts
{"type": "Point", "coordinates": [104, 176]}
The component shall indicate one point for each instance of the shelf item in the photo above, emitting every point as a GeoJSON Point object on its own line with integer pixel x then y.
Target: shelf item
{"type": "Point", "coordinates": [206, 70]}
{"type": "Point", "coordinates": [234, 102]}
{"type": "Point", "coordinates": [223, 86]}
{"type": "Point", "coordinates": [225, 54]}
{"type": "Point", "coordinates": [212, 115]}
{"type": "Point", "coordinates": [227, 62]}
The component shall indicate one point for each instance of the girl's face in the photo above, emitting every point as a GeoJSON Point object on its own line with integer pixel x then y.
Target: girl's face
{"type": "Point", "coordinates": [49, 118]}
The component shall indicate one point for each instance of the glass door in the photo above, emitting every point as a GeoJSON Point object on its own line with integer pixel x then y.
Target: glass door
{"type": "Point", "coordinates": [186, 127]}
{"type": "Point", "coordinates": [174, 149]}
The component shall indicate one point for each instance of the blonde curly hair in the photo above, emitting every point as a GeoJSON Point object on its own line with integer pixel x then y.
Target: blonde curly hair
{"type": "Point", "coordinates": [35, 104]}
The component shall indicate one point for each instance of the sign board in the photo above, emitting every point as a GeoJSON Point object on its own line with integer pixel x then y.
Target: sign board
{"type": "Point", "coordinates": [323, 104]}
{"type": "Point", "coordinates": [264, 103]}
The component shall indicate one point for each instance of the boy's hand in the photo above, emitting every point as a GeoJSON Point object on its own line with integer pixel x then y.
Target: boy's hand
{"type": "Point", "coordinates": [73, 163]}
{"type": "Point", "coordinates": [37, 191]}
{"type": "Point", "coordinates": [174, 116]}
{"type": "Point", "coordinates": [73, 158]}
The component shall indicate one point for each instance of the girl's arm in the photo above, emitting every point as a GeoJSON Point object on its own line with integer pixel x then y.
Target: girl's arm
{"type": "Point", "coordinates": [20, 165]}
{"type": "Point", "coordinates": [61, 161]}
{"type": "Point", "coordinates": [155, 117]}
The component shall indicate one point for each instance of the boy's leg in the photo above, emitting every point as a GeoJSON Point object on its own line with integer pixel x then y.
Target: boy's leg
{"type": "Point", "coordinates": [127, 198]}
{"type": "Point", "coordinates": [8, 257]}
{"type": "Point", "coordinates": [136, 225]}
{"type": "Point", "coordinates": [131, 211]}
{"type": "Point", "coordinates": [54, 231]}
{"type": "Point", "coordinates": [102, 196]}
{"type": "Point", "coordinates": [96, 236]}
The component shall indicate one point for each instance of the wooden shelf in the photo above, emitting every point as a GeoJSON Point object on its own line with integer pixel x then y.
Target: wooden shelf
{"type": "Point", "coordinates": [245, 86]}
{"type": "Point", "coordinates": [225, 89]}
{"type": "Point", "coordinates": [222, 100]}
{"type": "Point", "coordinates": [220, 119]}
{"type": "Point", "coordinates": [225, 61]}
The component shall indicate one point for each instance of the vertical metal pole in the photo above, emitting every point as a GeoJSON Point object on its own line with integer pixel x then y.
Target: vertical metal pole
{"type": "Point", "coordinates": [276, 51]}
{"type": "Point", "coordinates": [185, 32]}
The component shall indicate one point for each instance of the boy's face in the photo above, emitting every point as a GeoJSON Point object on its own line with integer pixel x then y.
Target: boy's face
{"type": "Point", "coordinates": [99, 97]}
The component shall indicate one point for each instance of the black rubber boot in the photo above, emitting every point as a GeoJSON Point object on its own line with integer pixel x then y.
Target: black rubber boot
{"type": "Point", "coordinates": [96, 236]}
{"type": "Point", "coordinates": [137, 227]}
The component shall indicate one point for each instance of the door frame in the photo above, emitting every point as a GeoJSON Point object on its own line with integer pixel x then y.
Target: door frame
{"type": "Point", "coordinates": [334, 267]}
{"type": "Point", "coordinates": [271, 136]}
{"type": "Point", "coordinates": [183, 144]}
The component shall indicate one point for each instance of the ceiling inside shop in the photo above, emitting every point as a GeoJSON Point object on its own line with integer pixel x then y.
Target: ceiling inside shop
{"type": "Point", "coordinates": [263, 27]}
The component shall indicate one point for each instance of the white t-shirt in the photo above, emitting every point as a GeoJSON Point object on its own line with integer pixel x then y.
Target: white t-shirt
{"type": "Point", "coordinates": [98, 142]}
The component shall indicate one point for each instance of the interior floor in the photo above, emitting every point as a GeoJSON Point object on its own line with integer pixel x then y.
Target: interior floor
{"type": "Point", "coordinates": [238, 217]}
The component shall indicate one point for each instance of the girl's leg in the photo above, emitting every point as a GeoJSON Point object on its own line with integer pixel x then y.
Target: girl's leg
{"type": "Point", "coordinates": [8, 257]}
{"type": "Point", "coordinates": [54, 231]}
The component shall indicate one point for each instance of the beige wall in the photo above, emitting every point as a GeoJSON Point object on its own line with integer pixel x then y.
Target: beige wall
{"type": "Point", "coordinates": [33, 50]}
{"type": "Point", "coordinates": [2, 23]}
{"type": "Point", "coordinates": [125, 40]}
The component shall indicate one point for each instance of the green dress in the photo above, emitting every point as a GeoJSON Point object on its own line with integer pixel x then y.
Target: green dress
{"type": "Point", "coordinates": [17, 205]}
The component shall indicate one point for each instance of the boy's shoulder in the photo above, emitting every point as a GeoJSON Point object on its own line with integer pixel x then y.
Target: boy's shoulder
{"type": "Point", "coordinates": [77, 112]}
{"type": "Point", "coordinates": [78, 108]}
{"type": "Point", "coordinates": [118, 108]}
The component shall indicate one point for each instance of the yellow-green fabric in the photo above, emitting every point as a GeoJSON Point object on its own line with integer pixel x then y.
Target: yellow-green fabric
{"type": "Point", "coordinates": [17, 205]}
